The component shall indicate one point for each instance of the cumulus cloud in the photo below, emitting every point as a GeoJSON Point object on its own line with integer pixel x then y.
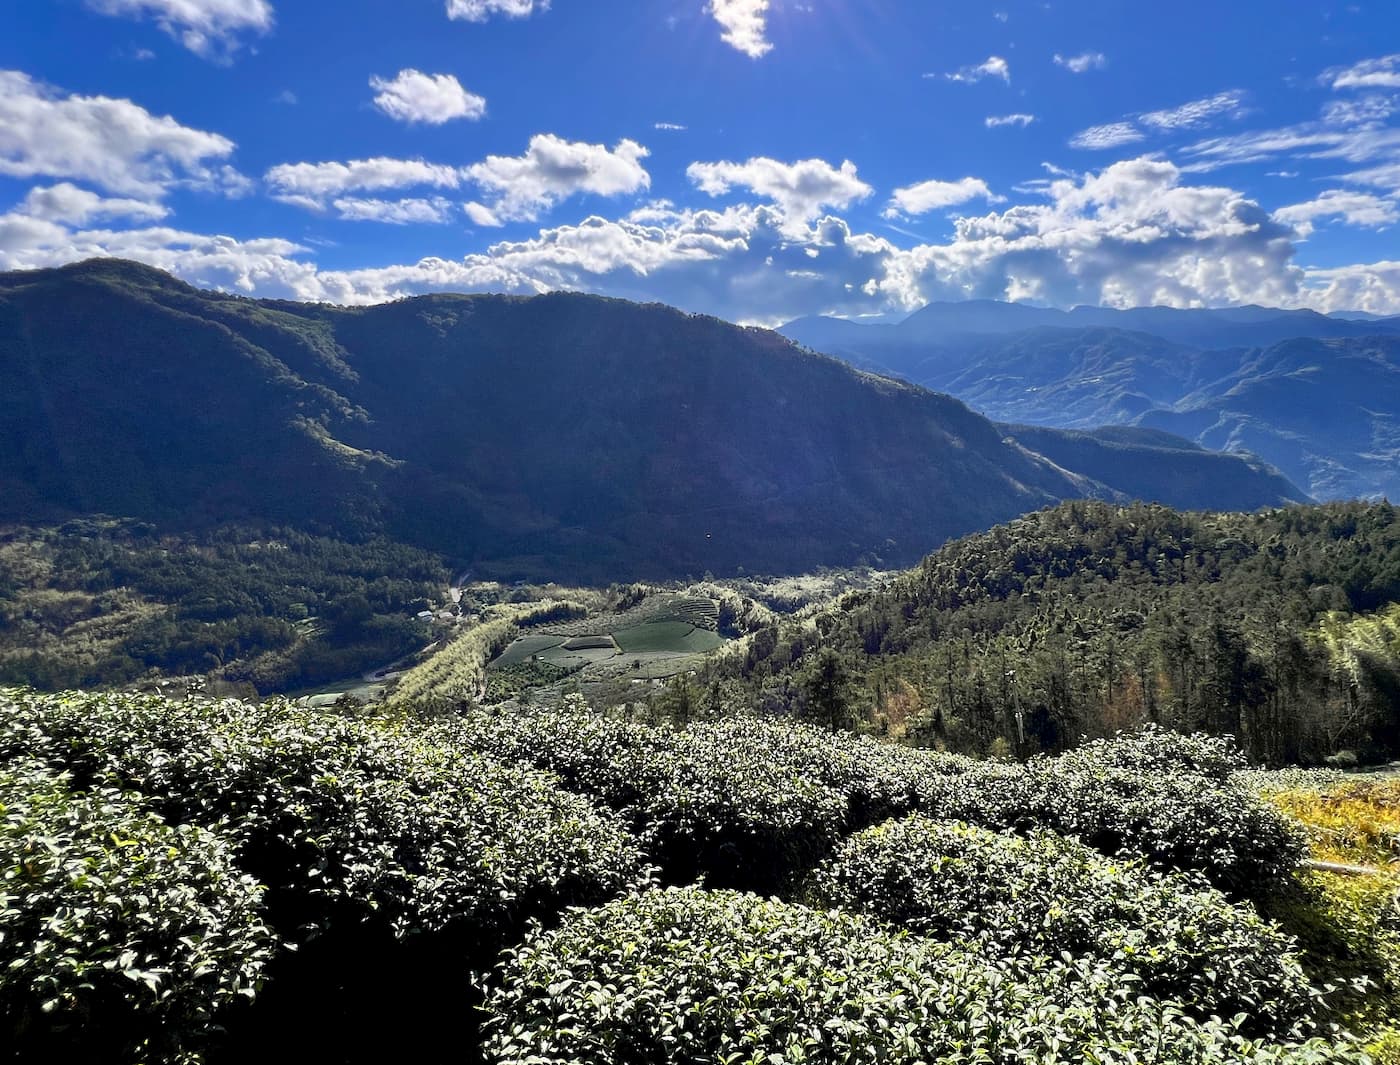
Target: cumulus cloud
{"type": "Point", "coordinates": [481, 10]}
{"type": "Point", "coordinates": [312, 185]}
{"type": "Point", "coordinates": [412, 96]}
{"type": "Point", "coordinates": [1113, 135]}
{"type": "Point", "coordinates": [1082, 63]}
{"type": "Point", "coordinates": [1198, 112]}
{"type": "Point", "coordinates": [800, 190]}
{"type": "Point", "coordinates": [1351, 208]}
{"type": "Point", "coordinates": [209, 28]}
{"type": "Point", "coordinates": [552, 169]}
{"type": "Point", "coordinates": [928, 196]}
{"type": "Point", "coordinates": [994, 67]}
{"type": "Point", "coordinates": [743, 24]}
{"type": "Point", "coordinates": [112, 143]}
{"type": "Point", "coordinates": [1382, 73]}
{"type": "Point", "coordinates": [68, 204]}
{"type": "Point", "coordinates": [997, 121]}
{"type": "Point", "coordinates": [1371, 287]}
{"type": "Point", "coordinates": [1135, 233]}
{"type": "Point", "coordinates": [395, 212]}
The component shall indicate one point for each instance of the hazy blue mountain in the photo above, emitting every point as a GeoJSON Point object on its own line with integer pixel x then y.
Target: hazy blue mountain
{"type": "Point", "coordinates": [951, 324]}
{"type": "Point", "coordinates": [1315, 395]}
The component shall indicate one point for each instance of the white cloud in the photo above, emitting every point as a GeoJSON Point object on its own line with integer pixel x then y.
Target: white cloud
{"type": "Point", "coordinates": [209, 28]}
{"type": "Point", "coordinates": [743, 24]}
{"type": "Point", "coordinates": [70, 205]}
{"type": "Point", "coordinates": [1081, 64]}
{"type": "Point", "coordinates": [1382, 73]}
{"type": "Point", "coordinates": [1352, 208]}
{"type": "Point", "coordinates": [1371, 287]}
{"type": "Point", "coordinates": [1134, 233]}
{"type": "Point", "coordinates": [1198, 112]}
{"type": "Point", "coordinates": [994, 67]}
{"type": "Point", "coordinates": [553, 169]}
{"type": "Point", "coordinates": [997, 121]}
{"type": "Point", "coordinates": [312, 184]}
{"type": "Point", "coordinates": [395, 212]}
{"type": "Point", "coordinates": [934, 195]}
{"type": "Point", "coordinates": [1113, 135]}
{"type": "Point", "coordinates": [115, 144]}
{"type": "Point", "coordinates": [481, 10]}
{"type": "Point", "coordinates": [1363, 112]}
{"type": "Point", "coordinates": [800, 190]}
{"type": "Point", "coordinates": [412, 96]}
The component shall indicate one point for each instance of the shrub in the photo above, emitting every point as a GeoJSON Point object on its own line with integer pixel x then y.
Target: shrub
{"type": "Point", "coordinates": [1153, 749]}
{"type": "Point", "coordinates": [704, 805]}
{"type": "Point", "coordinates": [341, 815]}
{"type": "Point", "coordinates": [1050, 895]}
{"type": "Point", "coordinates": [878, 780]}
{"type": "Point", "coordinates": [1171, 800]}
{"type": "Point", "coordinates": [121, 938]}
{"type": "Point", "coordinates": [689, 976]}
{"type": "Point", "coordinates": [394, 863]}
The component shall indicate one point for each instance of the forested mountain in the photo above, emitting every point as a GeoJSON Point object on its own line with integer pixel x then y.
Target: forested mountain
{"type": "Point", "coordinates": [1280, 628]}
{"type": "Point", "coordinates": [1316, 396]}
{"type": "Point", "coordinates": [563, 434]}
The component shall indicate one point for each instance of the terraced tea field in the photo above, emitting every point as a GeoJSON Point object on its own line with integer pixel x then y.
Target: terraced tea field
{"type": "Point", "coordinates": [662, 636]}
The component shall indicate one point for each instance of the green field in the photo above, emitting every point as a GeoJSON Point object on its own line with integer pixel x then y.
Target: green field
{"type": "Point", "coordinates": [526, 647]}
{"type": "Point", "coordinates": [677, 637]}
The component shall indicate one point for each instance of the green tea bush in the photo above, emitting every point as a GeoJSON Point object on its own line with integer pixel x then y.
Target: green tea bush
{"type": "Point", "coordinates": [121, 938]}
{"type": "Point", "coordinates": [1155, 749]}
{"type": "Point", "coordinates": [395, 865]}
{"type": "Point", "coordinates": [704, 805]}
{"type": "Point", "coordinates": [878, 780]}
{"type": "Point", "coordinates": [1046, 894]}
{"type": "Point", "coordinates": [689, 976]}
{"type": "Point", "coordinates": [340, 816]}
{"type": "Point", "coordinates": [1171, 800]}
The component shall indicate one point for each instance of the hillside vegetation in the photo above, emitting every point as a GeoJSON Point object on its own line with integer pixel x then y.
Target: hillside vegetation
{"type": "Point", "coordinates": [104, 603]}
{"type": "Point", "coordinates": [585, 881]}
{"type": "Point", "coordinates": [1276, 628]}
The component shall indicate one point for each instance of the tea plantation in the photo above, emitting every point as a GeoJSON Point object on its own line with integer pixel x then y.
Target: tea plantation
{"type": "Point", "coordinates": [217, 881]}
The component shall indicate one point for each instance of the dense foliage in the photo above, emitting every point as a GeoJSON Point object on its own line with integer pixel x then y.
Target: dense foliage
{"type": "Point", "coordinates": [686, 976]}
{"type": "Point", "coordinates": [123, 939]}
{"type": "Point", "coordinates": [420, 845]}
{"type": "Point", "coordinates": [1088, 618]}
{"type": "Point", "coordinates": [1046, 894]}
{"type": "Point", "coordinates": [381, 852]}
{"type": "Point", "coordinates": [752, 804]}
{"type": "Point", "coordinates": [333, 812]}
{"type": "Point", "coordinates": [106, 603]}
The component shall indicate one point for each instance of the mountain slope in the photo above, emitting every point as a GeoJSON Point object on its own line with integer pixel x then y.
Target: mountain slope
{"type": "Point", "coordinates": [1087, 618]}
{"type": "Point", "coordinates": [559, 435]}
{"type": "Point", "coordinates": [1322, 404]}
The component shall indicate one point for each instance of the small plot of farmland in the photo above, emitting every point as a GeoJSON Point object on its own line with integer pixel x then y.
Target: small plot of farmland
{"type": "Point", "coordinates": [660, 637]}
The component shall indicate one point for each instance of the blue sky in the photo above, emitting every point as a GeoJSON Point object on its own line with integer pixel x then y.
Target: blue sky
{"type": "Point", "coordinates": [756, 159]}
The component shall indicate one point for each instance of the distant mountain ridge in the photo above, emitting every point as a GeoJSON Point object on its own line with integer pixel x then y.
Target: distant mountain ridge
{"type": "Point", "coordinates": [1317, 396]}
{"type": "Point", "coordinates": [561, 435]}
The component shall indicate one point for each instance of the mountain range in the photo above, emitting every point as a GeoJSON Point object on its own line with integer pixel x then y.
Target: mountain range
{"type": "Point", "coordinates": [560, 435]}
{"type": "Point", "coordinates": [1316, 396]}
